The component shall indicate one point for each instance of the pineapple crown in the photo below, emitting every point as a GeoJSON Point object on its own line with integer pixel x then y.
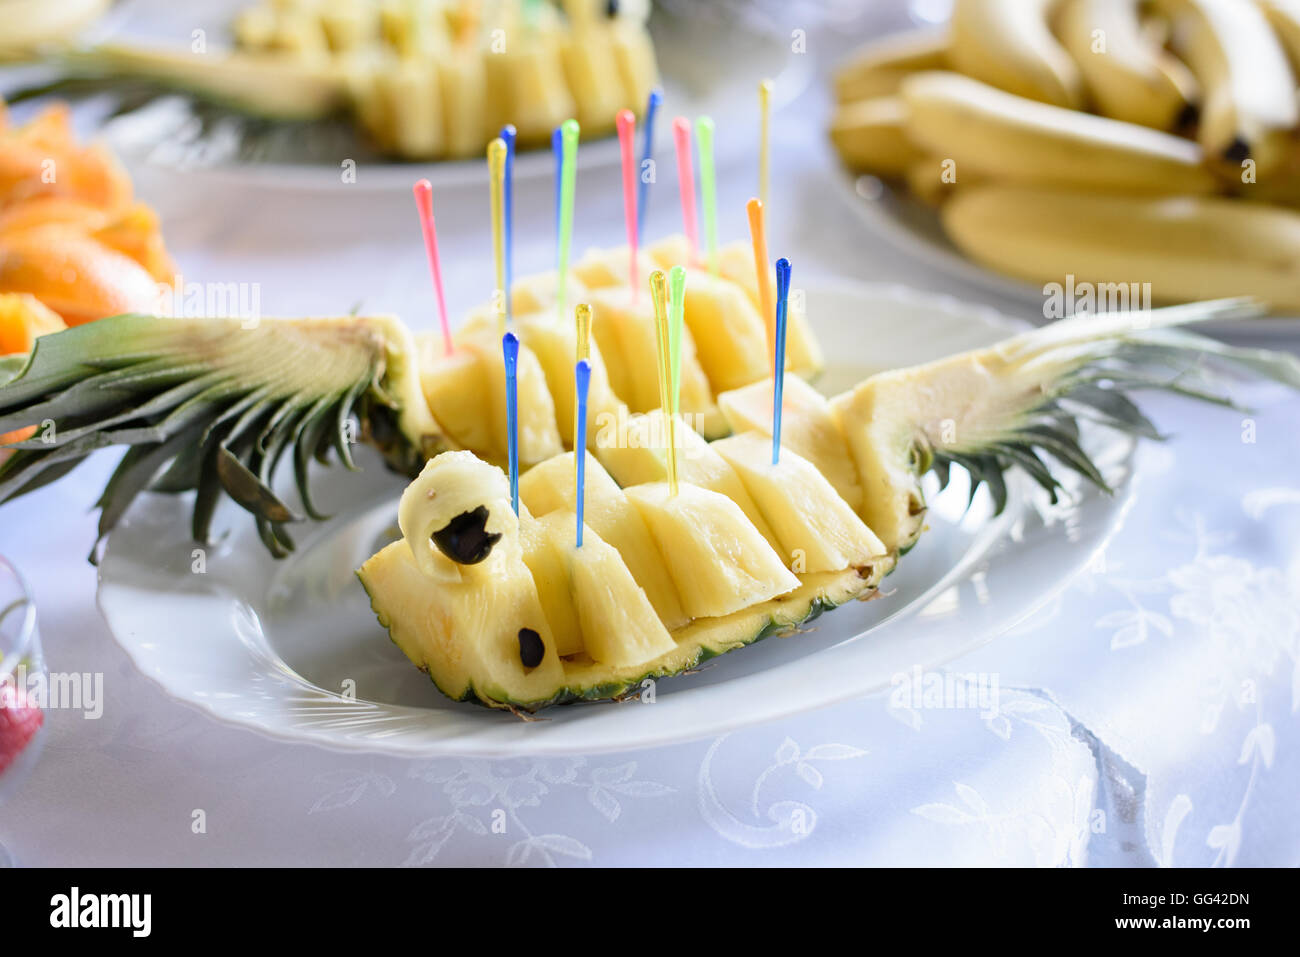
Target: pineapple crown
{"type": "Point", "coordinates": [1084, 369]}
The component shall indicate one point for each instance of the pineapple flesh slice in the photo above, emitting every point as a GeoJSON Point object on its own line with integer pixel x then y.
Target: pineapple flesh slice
{"type": "Point", "coordinates": [803, 354]}
{"type": "Point", "coordinates": [617, 626]}
{"type": "Point", "coordinates": [717, 558]}
{"type": "Point", "coordinates": [624, 327]}
{"type": "Point", "coordinates": [817, 529]}
{"type": "Point", "coordinates": [549, 487]}
{"type": "Point", "coordinates": [486, 636]}
{"type": "Point", "coordinates": [555, 346]}
{"type": "Point", "coordinates": [636, 452]}
{"type": "Point", "coordinates": [807, 426]}
{"type": "Point", "coordinates": [466, 393]}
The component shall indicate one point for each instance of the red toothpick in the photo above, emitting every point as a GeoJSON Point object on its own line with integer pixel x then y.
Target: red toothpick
{"type": "Point", "coordinates": [626, 123]}
{"type": "Point", "coordinates": [424, 206]}
{"type": "Point", "coordinates": [686, 182]}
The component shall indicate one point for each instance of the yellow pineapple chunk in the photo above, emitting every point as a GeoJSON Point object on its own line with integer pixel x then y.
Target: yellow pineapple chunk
{"type": "Point", "coordinates": [590, 593]}
{"type": "Point", "coordinates": [549, 487]}
{"type": "Point", "coordinates": [803, 355]}
{"type": "Point", "coordinates": [624, 328]}
{"type": "Point", "coordinates": [807, 427]}
{"type": "Point", "coordinates": [636, 453]}
{"type": "Point", "coordinates": [817, 529]}
{"type": "Point", "coordinates": [719, 561]}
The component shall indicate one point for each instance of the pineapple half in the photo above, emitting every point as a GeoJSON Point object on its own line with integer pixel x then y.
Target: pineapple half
{"type": "Point", "coordinates": [505, 609]}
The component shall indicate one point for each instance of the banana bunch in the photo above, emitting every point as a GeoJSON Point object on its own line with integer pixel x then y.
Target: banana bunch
{"type": "Point", "coordinates": [1114, 141]}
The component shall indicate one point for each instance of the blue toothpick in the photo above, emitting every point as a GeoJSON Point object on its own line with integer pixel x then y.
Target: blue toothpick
{"type": "Point", "coordinates": [508, 133]}
{"type": "Point", "coordinates": [510, 346]}
{"type": "Point", "coordinates": [557, 150]}
{"type": "Point", "coordinates": [647, 150]}
{"type": "Point", "coordinates": [582, 375]}
{"type": "Point", "coordinates": [778, 373]}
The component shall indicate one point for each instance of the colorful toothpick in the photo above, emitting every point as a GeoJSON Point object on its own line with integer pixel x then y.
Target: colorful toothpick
{"type": "Point", "coordinates": [568, 179]}
{"type": "Point", "coordinates": [778, 368]}
{"type": "Point", "coordinates": [676, 318]}
{"type": "Point", "coordinates": [626, 124]}
{"type": "Point", "coordinates": [509, 134]}
{"type": "Point", "coordinates": [424, 206]}
{"type": "Point", "coordinates": [686, 184]}
{"type": "Point", "coordinates": [557, 151]}
{"type": "Point", "coordinates": [663, 339]}
{"type": "Point", "coordinates": [758, 236]}
{"type": "Point", "coordinates": [647, 153]}
{"type": "Point", "coordinates": [510, 347]}
{"type": "Point", "coordinates": [708, 194]}
{"type": "Point", "coordinates": [582, 321]}
{"type": "Point", "coordinates": [764, 138]}
{"type": "Point", "coordinates": [496, 156]}
{"type": "Point", "coordinates": [582, 379]}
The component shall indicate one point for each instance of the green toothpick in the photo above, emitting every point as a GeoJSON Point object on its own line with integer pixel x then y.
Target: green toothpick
{"type": "Point", "coordinates": [676, 314]}
{"type": "Point", "coordinates": [704, 142]}
{"type": "Point", "coordinates": [568, 176]}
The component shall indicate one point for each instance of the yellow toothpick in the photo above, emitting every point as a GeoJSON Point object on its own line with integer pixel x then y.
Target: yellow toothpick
{"type": "Point", "coordinates": [659, 298]}
{"type": "Point", "coordinates": [496, 155]}
{"type": "Point", "coordinates": [765, 127]}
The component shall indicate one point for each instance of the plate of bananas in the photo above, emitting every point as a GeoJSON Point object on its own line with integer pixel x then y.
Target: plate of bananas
{"type": "Point", "coordinates": [927, 494]}
{"type": "Point", "coordinates": [1114, 147]}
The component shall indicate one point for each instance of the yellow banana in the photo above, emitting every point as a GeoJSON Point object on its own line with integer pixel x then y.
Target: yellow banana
{"type": "Point", "coordinates": [877, 68]}
{"type": "Point", "coordinates": [1248, 89]}
{"type": "Point", "coordinates": [1007, 43]}
{"type": "Point", "coordinates": [1185, 247]}
{"type": "Point", "coordinates": [869, 136]}
{"type": "Point", "coordinates": [1128, 78]}
{"type": "Point", "coordinates": [1007, 137]}
{"type": "Point", "coordinates": [932, 179]}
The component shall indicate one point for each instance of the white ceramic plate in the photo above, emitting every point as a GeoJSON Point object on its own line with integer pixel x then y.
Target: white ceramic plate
{"type": "Point", "coordinates": [272, 646]}
{"type": "Point", "coordinates": [914, 227]}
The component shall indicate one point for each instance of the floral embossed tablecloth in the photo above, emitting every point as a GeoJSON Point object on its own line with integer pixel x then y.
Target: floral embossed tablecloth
{"type": "Point", "coordinates": [1147, 717]}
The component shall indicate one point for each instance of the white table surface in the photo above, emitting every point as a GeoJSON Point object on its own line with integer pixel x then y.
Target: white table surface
{"type": "Point", "coordinates": [1148, 716]}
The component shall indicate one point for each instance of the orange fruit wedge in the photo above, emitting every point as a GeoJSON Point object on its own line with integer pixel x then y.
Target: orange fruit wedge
{"type": "Point", "coordinates": [22, 319]}
{"type": "Point", "coordinates": [75, 276]}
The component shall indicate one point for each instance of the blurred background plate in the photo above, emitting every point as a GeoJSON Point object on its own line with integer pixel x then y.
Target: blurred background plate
{"type": "Point", "coordinates": [909, 224]}
{"type": "Point", "coordinates": [709, 62]}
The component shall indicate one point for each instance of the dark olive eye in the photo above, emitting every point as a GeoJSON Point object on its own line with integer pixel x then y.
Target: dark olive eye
{"type": "Point", "coordinates": [1237, 150]}
{"type": "Point", "coordinates": [465, 539]}
{"type": "Point", "coordinates": [611, 8]}
{"type": "Point", "coordinates": [531, 649]}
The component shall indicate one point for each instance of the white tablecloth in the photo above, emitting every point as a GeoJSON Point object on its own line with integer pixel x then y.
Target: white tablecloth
{"type": "Point", "coordinates": [1148, 716]}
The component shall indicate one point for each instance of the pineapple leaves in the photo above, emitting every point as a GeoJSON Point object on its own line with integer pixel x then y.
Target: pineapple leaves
{"type": "Point", "coordinates": [207, 405]}
{"type": "Point", "coordinates": [1076, 375]}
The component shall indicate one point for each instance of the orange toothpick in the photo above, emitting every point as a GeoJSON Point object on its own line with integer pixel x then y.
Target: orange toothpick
{"type": "Point", "coordinates": [758, 236]}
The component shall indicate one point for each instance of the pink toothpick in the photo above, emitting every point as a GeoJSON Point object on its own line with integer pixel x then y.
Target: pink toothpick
{"type": "Point", "coordinates": [626, 124]}
{"type": "Point", "coordinates": [686, 180]}
{"type": "Point", "coordinates": [424, 205]}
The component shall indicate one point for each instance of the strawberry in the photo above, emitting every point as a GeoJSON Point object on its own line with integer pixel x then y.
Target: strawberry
{"type": "Point", "coordinates": [20, 719]}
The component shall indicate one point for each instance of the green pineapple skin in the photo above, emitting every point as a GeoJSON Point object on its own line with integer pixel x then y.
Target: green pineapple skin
{"type": "Point", "coordinates": [761, 625]}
